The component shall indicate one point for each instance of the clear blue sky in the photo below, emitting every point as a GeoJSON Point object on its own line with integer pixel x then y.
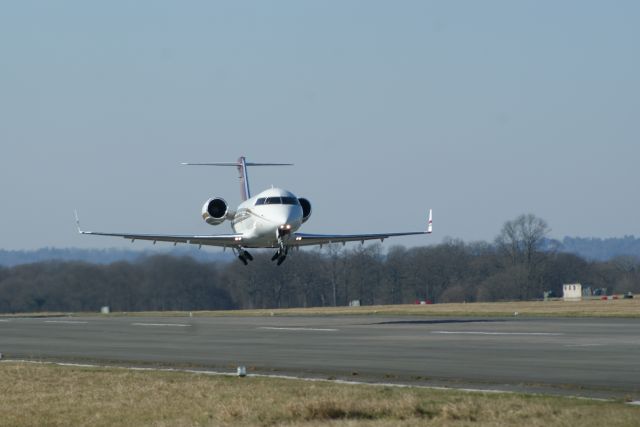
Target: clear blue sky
{"type": "Point", "coordinates": [481, 110]}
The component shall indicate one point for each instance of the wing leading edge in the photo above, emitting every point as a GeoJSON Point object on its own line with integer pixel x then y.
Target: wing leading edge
{"type": "Point", "coordinates": [304, 239]}
{"type": "Point", "coordinates": [224, 240]}
{"type": "Point", "coordinates": [203, 240]}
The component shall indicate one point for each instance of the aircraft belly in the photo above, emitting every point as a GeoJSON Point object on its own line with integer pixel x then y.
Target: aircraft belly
{"type": "Point", "coordinates": [263, 233]}
{"type": "Point", "coordinates": [256, 232]}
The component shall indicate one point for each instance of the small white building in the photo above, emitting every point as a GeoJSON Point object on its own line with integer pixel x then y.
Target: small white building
{"type": "Point", "coordinates": [572, 292]}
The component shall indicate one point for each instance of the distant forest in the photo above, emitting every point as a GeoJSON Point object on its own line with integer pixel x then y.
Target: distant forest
{"type": "Point", "coordinates": [105, 256]}
{"type": "Point", "coordinates": [589, 248]}
{"type": "Point", "coordinates": [518, 265]}
{"type": "Point", "coordinates": [601, 249]}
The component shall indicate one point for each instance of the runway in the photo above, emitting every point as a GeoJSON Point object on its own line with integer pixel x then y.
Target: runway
{"type": "Point", "coordinates": [591, 357]}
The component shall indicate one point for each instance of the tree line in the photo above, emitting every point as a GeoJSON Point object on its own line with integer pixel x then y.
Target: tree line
{"type": "Point", "coordinates": [513, 267]}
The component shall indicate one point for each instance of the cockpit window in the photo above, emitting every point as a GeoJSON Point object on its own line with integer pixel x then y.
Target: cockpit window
{"type": "Point", "coordinates": [276, 201]}
{"type": "Point", "coordinates": [289, 201]}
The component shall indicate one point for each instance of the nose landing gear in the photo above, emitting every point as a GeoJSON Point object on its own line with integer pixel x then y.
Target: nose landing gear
{"type": "Point", "coordinates": [281, 259]}
{"type": "Point", "coordinates": [280, 255]}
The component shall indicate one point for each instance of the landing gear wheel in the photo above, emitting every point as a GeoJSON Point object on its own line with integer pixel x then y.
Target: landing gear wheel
{"type": "Point", "coordinates": [281, 254]}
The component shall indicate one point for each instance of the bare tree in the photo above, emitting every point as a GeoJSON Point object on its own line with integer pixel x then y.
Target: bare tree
{"type": "Point", "coordinates": [334, 255]}
{"type": "Point", "coordinates": [395, 272]}
{"type": "Point", "coordinates": [520, 239]}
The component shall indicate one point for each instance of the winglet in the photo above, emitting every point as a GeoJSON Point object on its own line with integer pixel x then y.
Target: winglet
{"type": "Point", "coordinates": [78, 222]}
{"type": "Point", "coordinates": [430, 225]}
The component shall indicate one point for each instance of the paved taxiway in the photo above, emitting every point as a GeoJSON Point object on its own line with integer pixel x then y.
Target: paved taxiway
{"type": "Point", "coordinates": [597, 357]}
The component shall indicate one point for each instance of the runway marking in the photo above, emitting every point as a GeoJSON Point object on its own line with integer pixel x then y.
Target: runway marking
{"type": "Point", "coordinates": [584, 345]}
{"type": "Point", "coordinates": [5, 320]}
{"type": "Point", "coordinates": [298, 329]}
{"type": "Point", "coordinates": [497, 333]}
{"type": "Point", "coordinates": [183, 325]}
{"type": "Point", "coordinates": [72, 322]}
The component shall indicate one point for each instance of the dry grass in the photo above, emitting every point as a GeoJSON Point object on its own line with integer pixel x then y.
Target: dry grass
{"type": "Point", "coordinates": [37, 395]}
{"type": "Point", "coordinates": [587, 308]}
{"type": "Point", "coordinates": [556, 308]}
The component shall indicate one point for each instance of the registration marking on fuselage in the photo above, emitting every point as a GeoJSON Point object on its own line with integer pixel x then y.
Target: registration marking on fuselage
{"type": "Point", "coordinates": [273, 328]}
{"type": "Point", "coordinates": [497, 333]}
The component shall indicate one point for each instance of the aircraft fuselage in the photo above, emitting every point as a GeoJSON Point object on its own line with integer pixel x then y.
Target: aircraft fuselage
{"type": "Point", "coordinates": [268, 219]}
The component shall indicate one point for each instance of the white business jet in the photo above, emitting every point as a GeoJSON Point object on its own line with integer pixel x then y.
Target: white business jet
{"type": "Point", "coordinates": [270, 219]}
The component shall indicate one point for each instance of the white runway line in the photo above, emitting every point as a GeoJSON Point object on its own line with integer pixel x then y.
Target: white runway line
{"type": "Point", "coordinates": [496, 333]}
{"type": "Point", "coordinates": [322, 380]}
{"type": "Point", "coordinates": [584, 345]}
{"type": "Point", "coordinates": [66, 321]}
{"type": "Point", "coordinates": [183, 325]}
{"type": "Point", "coordinates": [5, 320]}
{"type": "Point", "coordinates": [298, 329]}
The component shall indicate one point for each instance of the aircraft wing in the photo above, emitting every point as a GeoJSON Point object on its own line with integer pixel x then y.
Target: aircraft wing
{"type": "Point", "coordinates": [304, 239]}
{"type": "Point", "coordinates": [205, 240]}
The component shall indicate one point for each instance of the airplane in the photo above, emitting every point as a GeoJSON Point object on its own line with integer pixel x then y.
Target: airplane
{"type": "Point", "coordinates": [270, 219]}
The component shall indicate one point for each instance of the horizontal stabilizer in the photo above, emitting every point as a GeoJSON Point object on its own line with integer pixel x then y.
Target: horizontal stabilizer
{"type": "Point", "coordinates": [236, 164]}
{"type": "Point", "coordinates": [242, 165]}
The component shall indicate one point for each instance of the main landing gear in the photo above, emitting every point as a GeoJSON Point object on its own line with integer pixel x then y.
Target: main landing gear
{"type": "Point", "coordinates": [244, 256]}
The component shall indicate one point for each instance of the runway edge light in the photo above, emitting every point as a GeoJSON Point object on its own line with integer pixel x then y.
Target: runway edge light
{"type": "Point", "coordinates": [242, 371]}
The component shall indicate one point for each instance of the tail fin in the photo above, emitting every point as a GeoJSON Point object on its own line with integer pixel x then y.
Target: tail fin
{"type": "Point", "coordinates": [430, 224]}
{"type": "Point", "coordinates": [241, 165]}
{"type": "Point", "coordinates": [245, 192]}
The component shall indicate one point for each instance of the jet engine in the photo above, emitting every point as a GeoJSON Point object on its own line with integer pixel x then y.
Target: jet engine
{"type": "Point", "coordinates": [214, 211]}
{"type": "Point", "coordinates": [306, 209]}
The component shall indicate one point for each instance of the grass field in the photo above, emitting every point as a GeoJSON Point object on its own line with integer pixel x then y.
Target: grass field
{"type": "Point", "coordinates": [52, 395]}
{"type": "Point", "coordinates": [587, 308]}
{"type": "Point", "coordinates": [556, 308]}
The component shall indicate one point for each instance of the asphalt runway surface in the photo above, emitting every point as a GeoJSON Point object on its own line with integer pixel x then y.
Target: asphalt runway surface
{"type": "Point", "coordinates": [585, 356]}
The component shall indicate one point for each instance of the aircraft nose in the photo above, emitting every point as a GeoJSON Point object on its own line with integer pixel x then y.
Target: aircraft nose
{"type": "Point", "coordinates": [289, 217]}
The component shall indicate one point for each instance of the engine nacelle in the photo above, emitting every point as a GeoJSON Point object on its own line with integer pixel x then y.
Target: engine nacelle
{"type": "Point", "coordinates": [215, 211]}
{"type": "Point", "coordinates": [306, 208]}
